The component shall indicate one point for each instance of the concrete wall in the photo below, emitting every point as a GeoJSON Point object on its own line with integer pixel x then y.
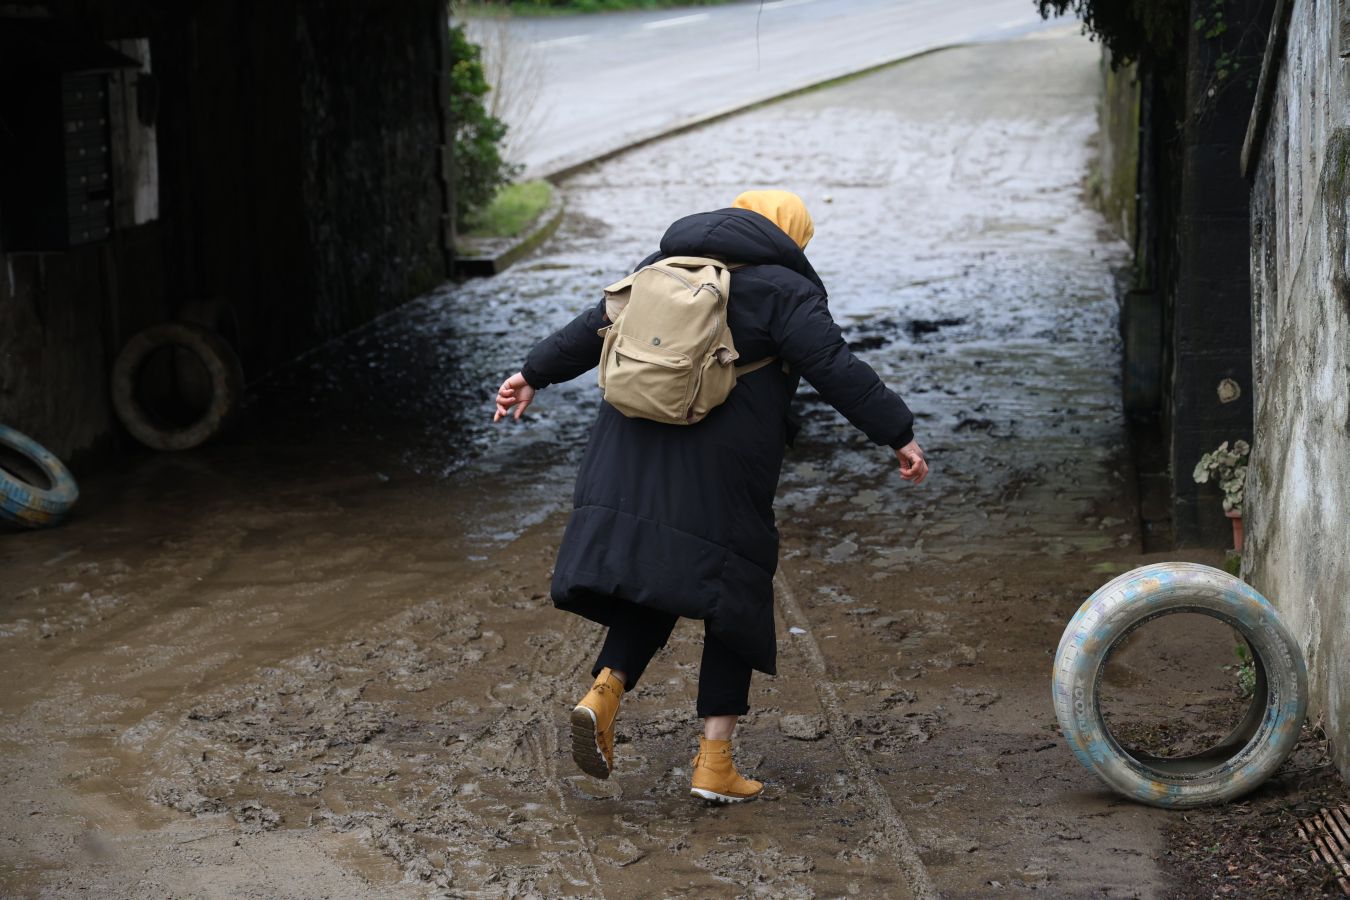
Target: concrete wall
{"type": "Point", "coordinates": [1298, 497]}
{"type": "Point", "coordinates": [299, 160]}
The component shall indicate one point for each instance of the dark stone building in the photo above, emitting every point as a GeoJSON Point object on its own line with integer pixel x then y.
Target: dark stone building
{"type": "Point", "coordinates": [273, 169]}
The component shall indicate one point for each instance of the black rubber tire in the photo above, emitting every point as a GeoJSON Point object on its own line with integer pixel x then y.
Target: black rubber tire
{"type": "Point", "coordinates": [29, 505]}
{"type": "Point", "coordinates": [1240, 762]}
{"type": "Point", "coordinates": [222, 366]}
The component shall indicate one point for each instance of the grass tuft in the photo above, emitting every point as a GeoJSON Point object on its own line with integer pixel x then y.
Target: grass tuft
{"type": "Point", "coordinates": [514, 208]}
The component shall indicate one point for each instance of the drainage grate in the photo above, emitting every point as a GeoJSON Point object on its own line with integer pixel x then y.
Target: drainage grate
{"type": "Point", "coordinates": [1328, 831]}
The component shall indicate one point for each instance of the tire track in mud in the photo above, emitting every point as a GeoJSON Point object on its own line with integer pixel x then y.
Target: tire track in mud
{"type": "Point", "coordinates": [381, 735]}
{"type": "Point", "coordinates": [894, 832]}
{"type": "Point", "coordinates": [549, 670]}
{"type": "Point", "coordinates": [548, 749]}
{"type": "Point", "coordinates": [433, 735]}
{"type": "Point", "coordinates": [548, 762]}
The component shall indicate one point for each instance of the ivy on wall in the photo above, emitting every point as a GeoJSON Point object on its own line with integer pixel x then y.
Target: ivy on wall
{"type": "Point", "coordinates": [1150, 32]}
{"type": "Point", "coordinates": [1154, 33]}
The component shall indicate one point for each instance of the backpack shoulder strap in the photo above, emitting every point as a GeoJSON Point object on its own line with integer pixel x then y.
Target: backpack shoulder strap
{"type": "Point", "coordinates": [691, 262]}
{"type": "Point", "coordinates": [754, 366]}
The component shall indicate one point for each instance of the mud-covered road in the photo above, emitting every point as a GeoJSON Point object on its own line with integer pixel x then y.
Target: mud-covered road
{"type": "Point", "coordinates": [318, 659]}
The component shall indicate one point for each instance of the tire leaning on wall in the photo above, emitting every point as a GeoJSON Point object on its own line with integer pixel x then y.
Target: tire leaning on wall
{"type": "Point", "coordinates": [1238, 763]}
{"type": "Point", "coordinates": [31, 505]}
{"type": "Point", "coordinates": [225, 374]}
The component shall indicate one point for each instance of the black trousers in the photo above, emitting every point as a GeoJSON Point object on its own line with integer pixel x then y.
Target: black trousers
{"type": "Point", "coordinates": [637, 633]}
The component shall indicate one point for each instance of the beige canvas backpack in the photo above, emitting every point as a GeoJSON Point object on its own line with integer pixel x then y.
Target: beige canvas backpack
{"type": "Point", "coordinates": [668, 355]}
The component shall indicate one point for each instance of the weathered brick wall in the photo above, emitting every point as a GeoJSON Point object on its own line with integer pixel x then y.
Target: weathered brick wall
{"type": "Point", "coordinates": [1298, 495]}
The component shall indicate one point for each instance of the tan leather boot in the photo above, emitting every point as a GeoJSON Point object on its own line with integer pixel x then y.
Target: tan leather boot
{"type": "Point", "coordinates": [593, 726]}
{"type": "Point", "coordinates": [716, 778]}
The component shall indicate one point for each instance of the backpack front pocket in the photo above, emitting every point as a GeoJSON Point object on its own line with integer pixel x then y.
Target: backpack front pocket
{"type": "Point", "coordinates": [645, 380]}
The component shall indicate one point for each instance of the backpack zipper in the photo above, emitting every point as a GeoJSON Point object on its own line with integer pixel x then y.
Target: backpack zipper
{"type": "Point", "coordinates": [712, 339]}
{"type": "Point", "coordinates": [680, 278]}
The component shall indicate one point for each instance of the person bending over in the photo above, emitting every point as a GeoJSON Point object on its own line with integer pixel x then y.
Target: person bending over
{"type": "Point", "coordinates": [677, 520]}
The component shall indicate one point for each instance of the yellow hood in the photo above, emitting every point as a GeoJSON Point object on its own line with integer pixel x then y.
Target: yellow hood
{"type": "Point", "coordinates": [784, 209]}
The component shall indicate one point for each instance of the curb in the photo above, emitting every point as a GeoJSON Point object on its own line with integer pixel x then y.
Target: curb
{"type": "Point", "coordinates": [501, 253]}
{"type": "Point", "coordinates": [567, 170]}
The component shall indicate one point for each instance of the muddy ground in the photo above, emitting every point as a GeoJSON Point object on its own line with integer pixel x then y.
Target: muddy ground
{"type": "Point", "coordinates": [317, 658]}
{"type": "Point", "coordinates": [1252, 848]}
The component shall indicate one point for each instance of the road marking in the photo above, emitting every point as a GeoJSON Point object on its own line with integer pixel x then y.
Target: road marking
{"type": "Point", "coordinates": [781, 4]}
{"type": "Point", "coordinates": [563, 41]}
{"type": "Point", "coordinates": [893, 831]}
{"type": "Point", "coordinates": [678, 20]}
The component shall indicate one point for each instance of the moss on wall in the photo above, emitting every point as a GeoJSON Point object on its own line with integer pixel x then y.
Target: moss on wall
{"type": "Point", "coordinates": [1117, 169]}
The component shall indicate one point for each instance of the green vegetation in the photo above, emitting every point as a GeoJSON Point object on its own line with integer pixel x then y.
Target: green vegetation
{"type": "Point", "coordinates": [1133, 30]}
{"type": "Point", "coordinates": [1228, 468]}
{"type": "Point", "coordinates": [565, 7]}
{"type": "Point", "coordinates": [513, 208]}
{"type": "Point", "coordinates": [479, 169]}
{"type": "Point", "coordinates": [1150, 32]}
{"type": "Point", "coordinates": [1245, 670]}
{"type": "Point", "coordinates": [1154, 33]}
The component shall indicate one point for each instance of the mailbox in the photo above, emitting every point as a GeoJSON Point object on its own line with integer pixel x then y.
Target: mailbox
{"type": "Point", "coordinates": [56, 184]}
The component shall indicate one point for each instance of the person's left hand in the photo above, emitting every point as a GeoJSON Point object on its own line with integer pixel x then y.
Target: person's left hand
{"type": "Point", "coordinates": [913, 464]}
{"type": "Point", "coordinates": [515, 391]}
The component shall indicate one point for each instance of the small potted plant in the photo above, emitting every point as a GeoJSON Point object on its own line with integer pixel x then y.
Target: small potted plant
{"type": "Point", "coordinates": [1228, 468]}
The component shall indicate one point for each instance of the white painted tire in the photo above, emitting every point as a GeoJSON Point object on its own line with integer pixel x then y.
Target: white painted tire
{"type": "Point", "coordinates": [1241, 761]}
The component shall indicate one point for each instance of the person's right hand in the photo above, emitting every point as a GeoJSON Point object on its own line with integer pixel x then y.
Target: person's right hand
{"type": "Point", "coordinates": [913, 465]}
{"type": "Point", "coordinates": [515, 391]}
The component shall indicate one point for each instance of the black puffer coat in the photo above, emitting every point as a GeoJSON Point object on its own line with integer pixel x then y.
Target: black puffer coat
{"type": "Point", "coordinates": [680, 518]}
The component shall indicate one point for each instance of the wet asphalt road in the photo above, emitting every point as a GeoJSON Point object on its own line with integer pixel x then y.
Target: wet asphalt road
{"type": "Point", "coordinates": [318, 659]}
{"type": "Point", "coordinates": [578, 86]}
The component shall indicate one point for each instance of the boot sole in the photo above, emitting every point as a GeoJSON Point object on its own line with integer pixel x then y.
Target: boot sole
{"type": "Point", "coordinates": [586, 752]}
{"type": "Point", "coordinates": [714, 797]}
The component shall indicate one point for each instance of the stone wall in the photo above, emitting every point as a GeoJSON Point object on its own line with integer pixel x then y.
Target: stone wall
{"type": "Point", "coordinates": [1298, 498]}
